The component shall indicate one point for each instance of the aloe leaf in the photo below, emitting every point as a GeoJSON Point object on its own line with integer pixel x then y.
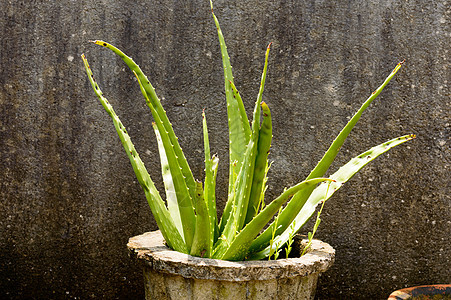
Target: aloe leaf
{"type": "Point", "coordinates": [294, 206]}
{"type": "Point", "coordinates": [243, 116]}
{"type": "Point", "coordinates": [243, 240]}
{"type": "Point", "coordinates": [215, 163]}
{"type": "Point", "coordinates": [171, 197]}
{"type": "Point", "coordinates": [242, 189]}
{"type": "Point", "coordinates": [239, 129]}
{"type": "Point", "coordinates": [158, 112]}
{"type": "Point", "coordinates": [332, 152]}
{"type": "Point", "coordinates": [240, 195]}
{"type": "Point", "coordinates": [159, 210]}
{"type": "Point", "coordinates": [248, 175]}
{"type": "Point", "coordinates": [202, 236]}
{"type": "Point", "coordinates": [184, 200]}
{"type": "Point", "coordinates": [211, 168]}
{"type": "Point", "coordinates": [261, 162]}
{"type": "Point", "coordinates": [340, 177]}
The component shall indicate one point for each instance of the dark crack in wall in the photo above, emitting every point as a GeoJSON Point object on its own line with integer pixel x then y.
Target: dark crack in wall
{"type": "Point", "coordinates": [69, 197]}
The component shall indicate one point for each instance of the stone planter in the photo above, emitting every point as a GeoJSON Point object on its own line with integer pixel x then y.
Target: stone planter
{"type": "Point", "coordinates": [423, 292]}
{"type": "Point", "coordinates": [173, 275]}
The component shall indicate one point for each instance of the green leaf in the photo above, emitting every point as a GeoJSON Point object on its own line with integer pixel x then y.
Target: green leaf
{"type": "Point", "coordinates": [239, 200]}
{"type": "Point", "coordinates": [261, 163]}
{"type": "Point", "coordinates": [171, 197]}
{"type": "Point", "coordinates": [239, 129]}
{"type": "Point", "coordinates": [202, 235]}
{"type": "Point", "coordinates": [241, 243]}
{"type": "Point", "coordinates": [341, 176]}
{"type": "Point", "coordinates": [184, 201]}
{"type": "Point", "coordinates": [295, 205]}
{"type": "Point", "coordinates": [211, 168]}
{"type": "Point", "coordinates": [159, 210]}
{"type": "Point", "coordinates": [158, 112]}
{"type": "Point", "coordinates": [240, 193]}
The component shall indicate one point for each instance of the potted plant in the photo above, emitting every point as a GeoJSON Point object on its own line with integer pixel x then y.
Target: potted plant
{"type": "Point", "coordinates": [423, 292]}
{"type": "Point", "coordinates": [194, 250]}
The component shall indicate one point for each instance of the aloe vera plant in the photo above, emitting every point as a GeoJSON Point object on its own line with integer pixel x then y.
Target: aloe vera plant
{"type": "Point", "coordinates": [188, 218]}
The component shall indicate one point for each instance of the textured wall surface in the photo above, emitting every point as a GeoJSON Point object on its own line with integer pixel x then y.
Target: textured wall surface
{"type": "Point", "coordinates": [69, 200]}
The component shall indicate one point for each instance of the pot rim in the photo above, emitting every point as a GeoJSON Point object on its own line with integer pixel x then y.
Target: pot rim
{"type": "Point", "coordinates": [149, 248]}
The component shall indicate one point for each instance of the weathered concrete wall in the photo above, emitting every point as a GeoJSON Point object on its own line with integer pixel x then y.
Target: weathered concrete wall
{"type": "Point", "coordinates": [69, 198]}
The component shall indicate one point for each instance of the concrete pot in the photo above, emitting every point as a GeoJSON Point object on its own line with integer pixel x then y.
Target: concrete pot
{"type": "Point", "coordinates": [423, 292]}
{"type": "Point", "coordinates": [173, 275]}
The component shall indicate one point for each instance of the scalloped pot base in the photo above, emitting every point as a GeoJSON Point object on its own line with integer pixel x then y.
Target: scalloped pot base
{"type": "Point", "coordinates": [170, 274]}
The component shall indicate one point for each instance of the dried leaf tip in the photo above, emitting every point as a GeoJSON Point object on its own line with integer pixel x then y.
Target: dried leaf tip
{"type": "Point", "coordinates": [398, 66]}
